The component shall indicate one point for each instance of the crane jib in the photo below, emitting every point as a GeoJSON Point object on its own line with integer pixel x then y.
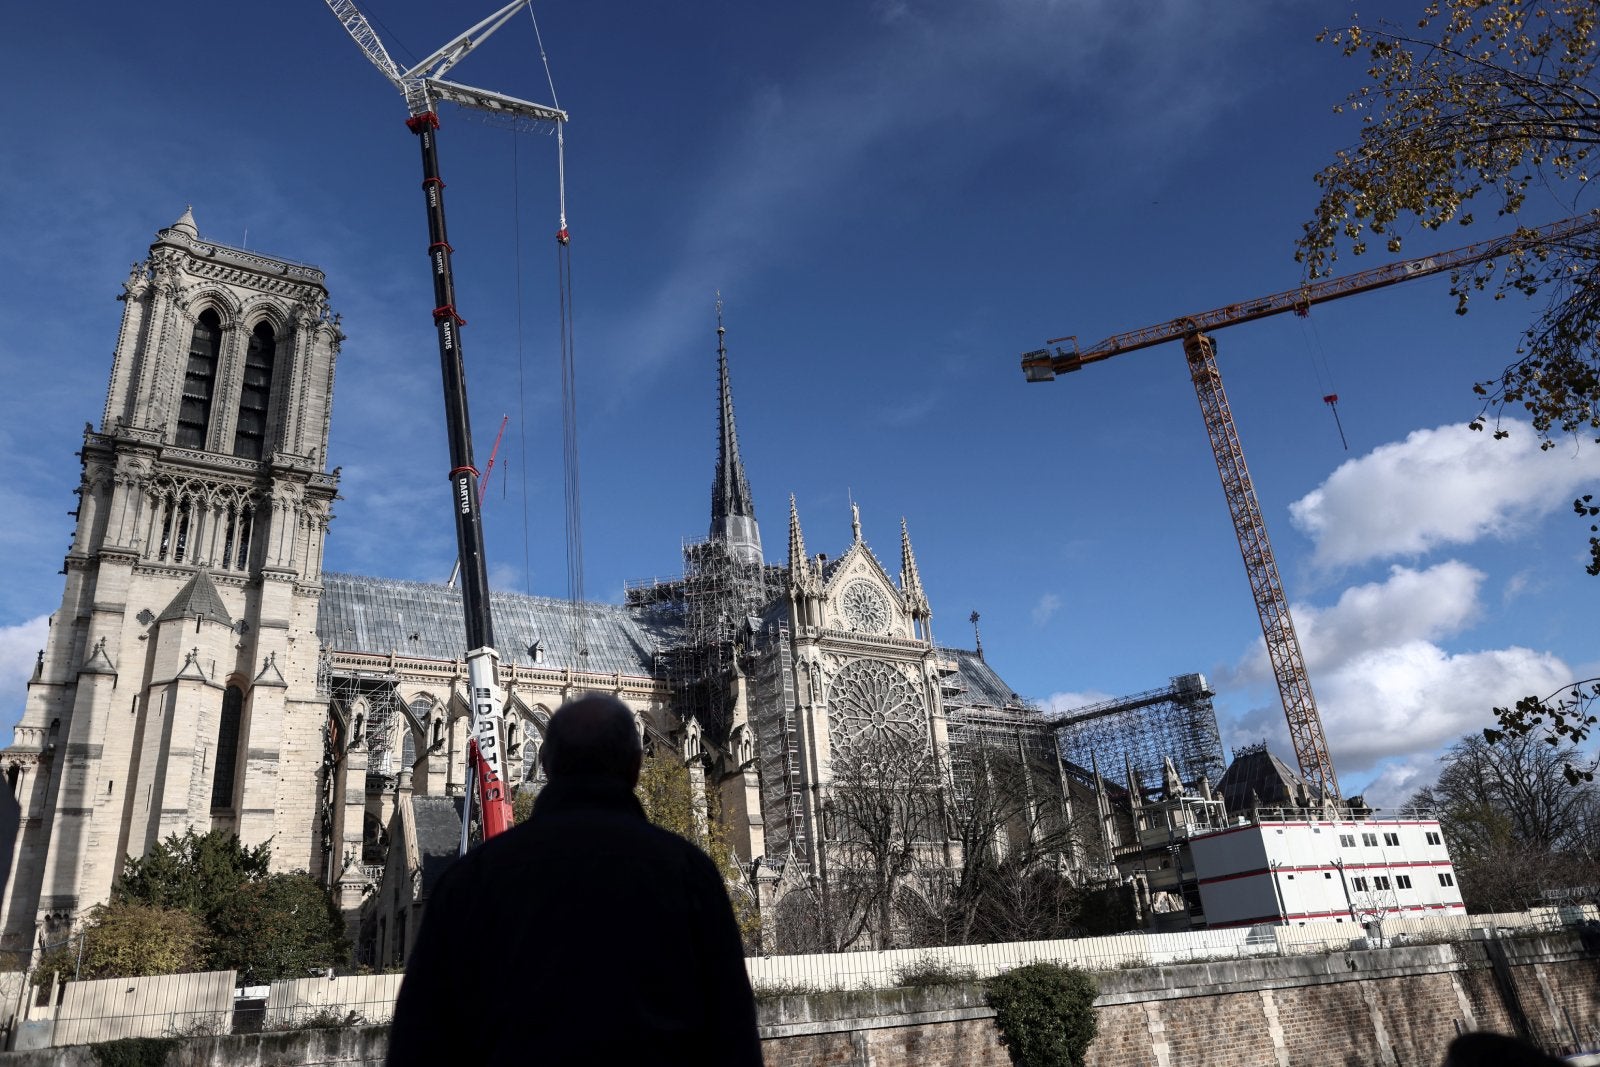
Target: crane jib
{"type": "Point", "coordinates": [1301, 298]}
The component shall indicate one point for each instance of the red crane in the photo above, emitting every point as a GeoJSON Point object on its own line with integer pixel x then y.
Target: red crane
{"type": "Point", "coordinates": [1283, 646]}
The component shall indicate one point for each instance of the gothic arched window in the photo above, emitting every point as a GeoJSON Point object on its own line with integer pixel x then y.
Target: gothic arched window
{"type": "Point", "coordinates": [530, 756]}
{"type": "Point", "coordinates": [194, 412]}
{"type": "Point", "coordinates": [250, 435]}
{"type": "Point", "coordinates": [421, 710]}
{"type": "Point", "coordinates": [227, 748]}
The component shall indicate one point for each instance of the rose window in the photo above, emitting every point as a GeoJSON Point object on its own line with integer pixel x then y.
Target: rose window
{"type": "Point", "coordinates": [865, 607]}
{"type": "Point", "coordinates": [870, 701]}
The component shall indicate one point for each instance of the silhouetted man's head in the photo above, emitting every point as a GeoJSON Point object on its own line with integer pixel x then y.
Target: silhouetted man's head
{"type": "Point", "coordinates": [592, 736]}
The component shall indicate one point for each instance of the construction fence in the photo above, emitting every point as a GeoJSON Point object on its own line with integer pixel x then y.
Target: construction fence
{"type": "Point", "coordinates": [882, 969]}
{"type": "Point", "coordinates": [77, 1013]}
{"type": "Point", "coordinates": [195, 1005]}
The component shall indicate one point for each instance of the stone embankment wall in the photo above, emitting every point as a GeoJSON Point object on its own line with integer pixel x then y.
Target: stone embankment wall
{"type": "Point", "coordinates": [1389, 1006]}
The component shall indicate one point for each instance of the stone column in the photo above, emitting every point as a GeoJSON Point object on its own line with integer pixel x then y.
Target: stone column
{"type": "Point", "coordinates": [259, 756]}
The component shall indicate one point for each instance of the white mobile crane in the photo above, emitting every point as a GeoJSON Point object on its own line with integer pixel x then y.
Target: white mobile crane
{"type": "Point", "coordinates": [423, 86]}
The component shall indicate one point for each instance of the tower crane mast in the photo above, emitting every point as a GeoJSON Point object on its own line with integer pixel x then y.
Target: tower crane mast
{"type": "Point", "coordinates": [1272, 606]}
{"type": "Point", "coordinates": [422, 85]}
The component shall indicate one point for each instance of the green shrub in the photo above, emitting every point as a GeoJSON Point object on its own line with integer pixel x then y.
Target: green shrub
{"type": "Point", "coordinates": [133, 1051]}
{"type": "Point", "coordinates": [932, 969]}
{"type": "Point", "coordinates": [124, 939]}
{"type": "Point", "coordinates": [322, 1019]}
{"type": "Point", "coordinates": [785, 988]}
{"type": "Point", "coordinates": [1045, 1013]}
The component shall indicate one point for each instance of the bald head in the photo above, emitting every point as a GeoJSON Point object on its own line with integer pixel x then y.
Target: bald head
{"type": "Point", "coordinates": [592, 736]}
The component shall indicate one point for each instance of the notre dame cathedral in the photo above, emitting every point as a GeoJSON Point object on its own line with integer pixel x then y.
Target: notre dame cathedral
{"type": "Point", "coordinates": [204, 671]}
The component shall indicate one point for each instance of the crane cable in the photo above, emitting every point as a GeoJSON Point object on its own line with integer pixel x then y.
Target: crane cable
{"type": "Point", "coordinates": [569, 385]}
{"type": "Point", "coordinates": [522, 405]}
{"type": "Point", "coordinates": [1324, 373]}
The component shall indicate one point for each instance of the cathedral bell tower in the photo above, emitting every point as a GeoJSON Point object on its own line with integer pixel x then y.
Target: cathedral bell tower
{"type": "Point", "coordinates": [178, 685]}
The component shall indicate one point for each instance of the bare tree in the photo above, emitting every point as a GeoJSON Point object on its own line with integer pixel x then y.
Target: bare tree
{"type": "Point", "coordinates": [797, 922]}
{"type": "Point", "coordinates": [1515, 823]}
{"type": "Point", "coordinates": [1021, 848]}
{"type": "Point", "coordinates": [882, 822]}
{"type": "Point", "coordinates": [919, 853]}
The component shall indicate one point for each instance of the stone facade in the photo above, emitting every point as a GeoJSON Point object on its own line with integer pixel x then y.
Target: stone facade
{"type": "Point", "coordinates": [178, 685]}
{"type": "Point", "coordinates": [203, 672]}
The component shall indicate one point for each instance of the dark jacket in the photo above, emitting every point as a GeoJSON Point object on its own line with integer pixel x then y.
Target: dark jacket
{"type": "Point", "coordinates": [585, 935]}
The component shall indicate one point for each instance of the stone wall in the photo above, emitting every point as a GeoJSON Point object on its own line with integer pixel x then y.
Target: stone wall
{"type": "Point", "coordinates": [1398, 1007]}
{"type": "Point", "coordinates": [885, 1027]}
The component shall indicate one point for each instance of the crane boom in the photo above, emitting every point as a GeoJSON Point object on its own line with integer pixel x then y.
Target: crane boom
{"type": "Point", "coordinates": [424, 83]}
{"type": "Point", "coordinates": [1272, 605]}
{"type": "Point", "coordinates": [1042, 365]}
{"type": "Point", "coordinates": [366, 38]}
{"type": "Point", "coordinates": [421, 86]}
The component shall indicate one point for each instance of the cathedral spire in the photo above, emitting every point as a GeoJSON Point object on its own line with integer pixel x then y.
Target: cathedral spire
{"type": "Point", "coordinates": [185, 223]}
{"type": "Point", "coordinates": [910, 578]}
{"type": "Point", "coordinates": [799, 562]}
{"type": "Point", "coordinates": [733, 513]}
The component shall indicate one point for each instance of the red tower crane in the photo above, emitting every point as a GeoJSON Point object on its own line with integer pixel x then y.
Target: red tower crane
{"type": "Point", "coordinates": [1283, 646]}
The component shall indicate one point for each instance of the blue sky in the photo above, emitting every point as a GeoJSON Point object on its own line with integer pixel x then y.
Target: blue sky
{"type": "Point", "coordinates": [895, 200]}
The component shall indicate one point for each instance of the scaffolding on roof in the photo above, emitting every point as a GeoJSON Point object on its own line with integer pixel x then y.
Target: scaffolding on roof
{"type": "Point", "coordinates": [1141, 730]}
{"type": "Point", "coordinates": [710, 607]}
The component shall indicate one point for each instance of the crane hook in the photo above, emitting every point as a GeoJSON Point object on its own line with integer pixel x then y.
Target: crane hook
{"type": "Point", "coordinates": [1332, 400]}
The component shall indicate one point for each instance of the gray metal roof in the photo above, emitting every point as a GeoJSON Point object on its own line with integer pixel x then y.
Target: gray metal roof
{"type": "Point", "coordinates": [423, 619]}
{"type": "Point", "coordinates": [1256, 775]}
{"type": "Point", "coordinates": [198, 596]}
{"type": "Point", "coordinates": [980, 685]}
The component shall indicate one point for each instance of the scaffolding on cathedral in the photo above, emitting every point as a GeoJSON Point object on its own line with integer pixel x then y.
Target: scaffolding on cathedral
{"type": "Point", "coordinates": [370, 707]}
{"type": "Point", "coordinates": [1022, 733]}
{"type": "Point", "coordinates": [773, 699]}
{"type": "Point", "coordinates": [1139, 731]}
{"type": "Point", "coordinates": [711, 606]}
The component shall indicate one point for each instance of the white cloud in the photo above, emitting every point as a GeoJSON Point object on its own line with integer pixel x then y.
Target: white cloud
{"type": "Point", "coordinates": [1047, 606]}
{"type": "Point", "coordinates": [19, 651]}
{"type": "Point", "coordinates": [1384, 687]}
{"type": "Point", "coordinates": [1397, 780]}
{"type": "Point", "coordinates": [1446, 486]}
{"type": "Point", "coordinates": [1060, 703]}
{"type": "Point", "coordinates": [1410, 605]}
{"type": "Point", "coordinates": [1412, 698]}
